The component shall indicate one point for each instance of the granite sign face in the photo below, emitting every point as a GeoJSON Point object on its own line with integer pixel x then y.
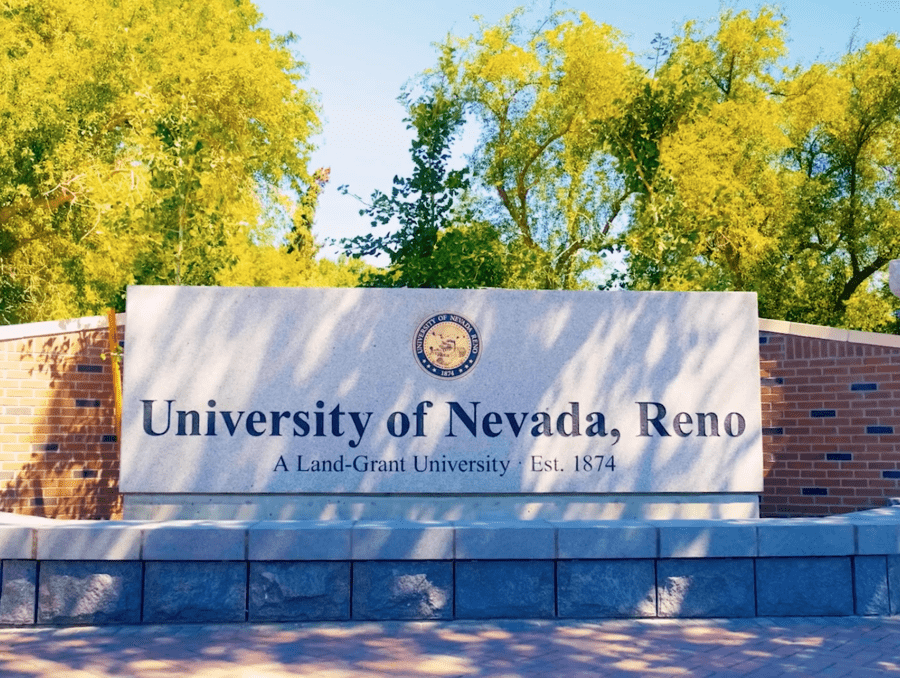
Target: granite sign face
{"type": "Point", "coordinates": [290, 391]}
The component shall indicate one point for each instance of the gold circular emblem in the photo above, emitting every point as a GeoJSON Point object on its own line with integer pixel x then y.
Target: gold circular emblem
{"type": "Point", "coordinates": [447, 345]}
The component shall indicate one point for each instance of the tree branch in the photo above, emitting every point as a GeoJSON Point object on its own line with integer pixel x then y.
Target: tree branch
{"type": "Point", "coordinates": [60, 196]}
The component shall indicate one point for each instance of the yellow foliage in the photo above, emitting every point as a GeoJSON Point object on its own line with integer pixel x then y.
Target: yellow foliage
{"type": "Point", "coordinates": [541, 99]}
{"type": "Point", "coordinates": [137, 137]}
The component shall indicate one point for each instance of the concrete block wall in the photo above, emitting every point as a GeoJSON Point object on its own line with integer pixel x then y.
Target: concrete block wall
{"type": "Point", "coordinates": [120, 572]}
{"type": "Point", "coordinates": [830, 407]}
{"type": "Point", "coordinates": [59, 456]}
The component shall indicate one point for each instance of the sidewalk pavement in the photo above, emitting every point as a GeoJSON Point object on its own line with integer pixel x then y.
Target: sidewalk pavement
{"type": "Point", "coordinates": [820, 647]}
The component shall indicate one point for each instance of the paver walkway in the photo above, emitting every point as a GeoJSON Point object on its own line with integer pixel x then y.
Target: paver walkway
{"type": "Point", "coordinates": [860, 647]}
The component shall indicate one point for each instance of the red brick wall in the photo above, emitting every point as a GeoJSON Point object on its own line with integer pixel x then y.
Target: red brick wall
{"type": "Point", "coordinates": [830, 409]}
{"type": "Point", "coordinates": [59, 456]}
{"type": "Point", "coordinates": [831, 424]}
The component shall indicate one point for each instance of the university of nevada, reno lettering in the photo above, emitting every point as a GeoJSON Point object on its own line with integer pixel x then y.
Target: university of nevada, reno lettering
{"type": "Point", "coordinates": [440, 391]}
{"type": "Point", "coordinates": [461, 421]}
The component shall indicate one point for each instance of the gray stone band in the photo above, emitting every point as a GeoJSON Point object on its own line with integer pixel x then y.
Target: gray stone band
{"type": "Point", "coordinates": [132, 572]}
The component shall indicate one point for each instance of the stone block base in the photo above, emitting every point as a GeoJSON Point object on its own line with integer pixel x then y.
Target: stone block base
{"type": "Point", "coordinates": [17, 592]}
{"type": "Point", "coordinates": [789, 587]}
{"type": "Point", "coordinates": [90, 592]}
{"type": "Point", "coordinates": [505, 589]}
{"type": "Point", "coordinates": [403, 590]}
{"type": "Point", "coordinates": [195, 592]}
{"type": "Point", "coordinates": [589, 589]}
{"type": "Point", "coordinates": [299, 591]}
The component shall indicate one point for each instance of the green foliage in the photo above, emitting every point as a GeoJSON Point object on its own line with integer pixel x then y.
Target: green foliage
{"type": "Point", "coordinates": [428, 247]}
{"type": "Point", "coordinates": [717, 168]}
{"type": "Point", "coordinates": [300, 239]}
{"type": "Point", "coordinates": [137, 137]}
{"type": "Point", "coordinates": [158, 141]}
{"type": "Point", "coordinates": [750, 176]}
{"type": "Point", "coordinates": [268, 265]}
{"type": "Point", "coordinates": [544, 100]}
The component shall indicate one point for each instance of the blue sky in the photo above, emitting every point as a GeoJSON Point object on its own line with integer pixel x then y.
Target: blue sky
{"type": "Point", "coordinates": [360, 53]}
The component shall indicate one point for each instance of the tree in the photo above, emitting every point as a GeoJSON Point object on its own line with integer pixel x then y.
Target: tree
{"type": "Point", "coordinates": [751, 176]}
{"type": "Point", "coordinates": [137, 137]}
{"type": "Point", "coordinates": [435, 244]}
{"type": "Point", "coordinates": [544, 100]}
{"type": "Point", "coordinates": [701, 148]}
{"type": "Point", "coordinates": [844, 126]}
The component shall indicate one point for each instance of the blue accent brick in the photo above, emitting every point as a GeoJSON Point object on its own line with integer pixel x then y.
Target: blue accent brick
{"type": "Point", "coordinates": [773, 430]}
{"type": "Point", "coordinates": [890, 474]}
{"type": "Point", "coordinates": [815, 491]}
{"type": "Point", "coordinates": [822, 414]}
{"type": "Point", "coordinates": [764, 340]}
{"type": "Point", "coordinates": [839, 456]}
{"type": "Point", "coordinates": [89, 368]}
{"type": "Point", "coordinates": [864, 386]}
{"type": "Point", "coordinates": [875, 430]}
{"type": "Point", "coordinates": [86, 402]}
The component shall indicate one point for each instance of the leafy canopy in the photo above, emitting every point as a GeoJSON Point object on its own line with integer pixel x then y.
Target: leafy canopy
{"type": "Point", "coordinates": [140, 141]}
{"type": "Point", "coordinates": [544, 100]}
{"type": "Point", "coordinates": [716, 168]}
{"type": "Point", "coordinates": [435, 243]}
{"type": "Point", "coordinates": [765, 178]}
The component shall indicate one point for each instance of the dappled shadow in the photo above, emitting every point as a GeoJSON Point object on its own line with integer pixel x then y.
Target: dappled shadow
{"type": "Point", "coordinates": [853, 646]}
{"type": "Point", "coordinates": [287, 350]}
{"type": "Point", "coordinates": [65, 429]}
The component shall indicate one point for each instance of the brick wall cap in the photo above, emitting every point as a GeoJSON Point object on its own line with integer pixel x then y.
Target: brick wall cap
{"type": "Point", "coordinates": [706, 522]}
{"type": "Point", "coordinates": [783, 537]}
{"type": "Point", "coordinates": [607, 539]}
{"type": "Point", "coordinates": [196, 540]}
{"type": "Point", "coordinates": [601, 524]}
{"type": "Point", "coordinates": [197, 525]}
{"type": "Point", "coordinates": [828, 333]}
{"type": "Point", "coordinates": [880, 515]}
{"type": "Point", "coordinates": [502, 524]}
{"type": "Point", "coordinates": [402, 524]}
{"type": "Point", "coordinates": [878, 538]}
{"type": "Point", "coordinates": [708, 539]}
{"type": "Point", "coordinates": [50, 327]}
{"type": "Point", "coordinates": [299, 540]}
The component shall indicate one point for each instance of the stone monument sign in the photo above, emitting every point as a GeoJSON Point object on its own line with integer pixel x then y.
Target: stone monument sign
{"type": "Point", "coordinates": [252, 391]}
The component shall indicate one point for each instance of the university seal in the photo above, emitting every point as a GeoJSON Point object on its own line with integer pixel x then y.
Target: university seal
{"type": "Point", "coordinates": [447, 345]}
